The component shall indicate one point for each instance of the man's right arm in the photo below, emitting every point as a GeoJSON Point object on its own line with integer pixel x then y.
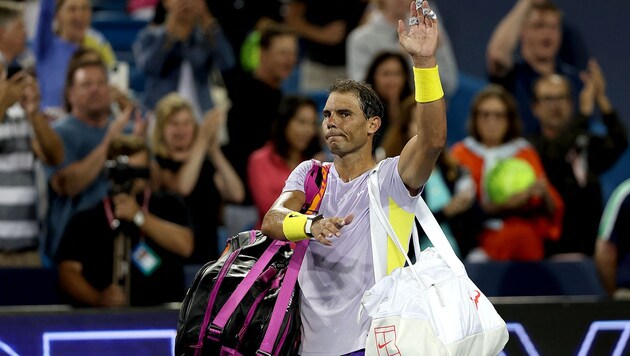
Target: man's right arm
{"type": "Point", "coordinates": [291, 202]}
{"type": "Point", "coordinates": [504, 39]}
{"type": "Point", "coordinates": [72, 281]}
{"type": "Point", "coordinates": [287, 202]}
{"type": "Point", "coordinates": [77, 176]}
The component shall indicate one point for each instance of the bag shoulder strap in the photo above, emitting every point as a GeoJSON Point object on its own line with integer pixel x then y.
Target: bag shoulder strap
{"type": "Point", "coordinates": [315, 186]}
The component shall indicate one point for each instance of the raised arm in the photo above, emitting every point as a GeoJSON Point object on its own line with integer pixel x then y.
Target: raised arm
{"type": "Point", "coordinates": [418, 157]}
{"type": "Point", "coordinates": [77, 176]}
{"type": "Point", "coordinates": [44, 34]}
{"type": "Point", "coordinates": [46, 143]}
{"type": "Point", "coordinates": [504, 39]}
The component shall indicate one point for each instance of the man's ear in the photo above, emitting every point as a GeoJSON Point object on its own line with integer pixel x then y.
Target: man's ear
{"type": "Point", "coordinates": [374, 123]}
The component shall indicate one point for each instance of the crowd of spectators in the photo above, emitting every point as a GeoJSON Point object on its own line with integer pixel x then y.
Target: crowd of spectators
{"type": "Point", "coordinates": [65, 131]}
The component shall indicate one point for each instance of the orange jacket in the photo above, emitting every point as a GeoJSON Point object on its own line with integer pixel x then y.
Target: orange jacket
{"type": "Point", "coordinates": [512, 236]}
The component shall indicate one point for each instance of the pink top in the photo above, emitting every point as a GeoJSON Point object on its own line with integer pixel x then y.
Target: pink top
{"type": "Point", "coordinates": [266, 175]}
{"type": "Point", "coordinates": [133, 5]}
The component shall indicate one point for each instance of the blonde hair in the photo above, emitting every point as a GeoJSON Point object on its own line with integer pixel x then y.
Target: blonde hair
{"type": "Point", "coordinates": [168, 106]}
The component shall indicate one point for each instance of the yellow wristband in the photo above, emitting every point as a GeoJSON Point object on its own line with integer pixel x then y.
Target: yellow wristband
{"type": "Point", "coordinates": [428, 85]}
{"type": "Point", "coordinates": [293, 227]}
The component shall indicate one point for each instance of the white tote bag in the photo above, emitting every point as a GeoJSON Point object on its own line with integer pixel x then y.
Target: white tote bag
{"type": "Point", "coordinates": [430, 307]}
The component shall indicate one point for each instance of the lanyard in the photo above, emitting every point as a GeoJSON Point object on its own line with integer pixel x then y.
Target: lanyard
{"type": "Point", "coordinates": [115, 223]}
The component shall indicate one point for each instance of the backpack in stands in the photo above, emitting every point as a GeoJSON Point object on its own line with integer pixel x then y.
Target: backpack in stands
{"type": "Point", "coordinates": [247, 302]}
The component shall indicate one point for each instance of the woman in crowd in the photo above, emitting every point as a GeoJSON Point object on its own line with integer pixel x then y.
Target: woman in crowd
{"type": "Point", "coordinates": [190, 162]}
{"type": "Point", "coordinates": [63, 27]}
{"type": "Point", "coordinates": [388, 74]}
{"type": "Point", "coordinates": [449, 192]}
{"type": "Point", "coordinates": [294, 138]}
{"type": "Point", "coordinates": [515, 228]}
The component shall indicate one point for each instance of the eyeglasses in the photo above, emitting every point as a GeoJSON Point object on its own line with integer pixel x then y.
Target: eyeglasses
{"type": "Point", "coordinates": [548, 99]}
{"type": "Point", "coordinates": [487, 114]}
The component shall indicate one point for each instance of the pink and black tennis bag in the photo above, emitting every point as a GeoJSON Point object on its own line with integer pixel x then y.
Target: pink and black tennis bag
{"type": "Point", "coordinates": [247, 302]}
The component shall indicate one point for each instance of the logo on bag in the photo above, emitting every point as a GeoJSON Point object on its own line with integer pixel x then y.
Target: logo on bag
{"type": "Point", "coordinates": [475, 298]}
{"type": "Point", "coordinates": [385, 337]}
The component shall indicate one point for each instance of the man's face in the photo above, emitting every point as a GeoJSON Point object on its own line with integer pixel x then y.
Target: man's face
{"type": "Point", "coordinates": [542, 34]}
{"type": "Point", "coordinates": [89, 93]}
{"type": "Point", "coordinates": [345, 127]}
{"type": "Point", "coordinates": [14, 36]}
{"type": "Point", "coordinates": [280, 58]}
{"type": "Point", "coordinates": [73, 19]}
{"type": "Point", "coordinates": [553, 104]}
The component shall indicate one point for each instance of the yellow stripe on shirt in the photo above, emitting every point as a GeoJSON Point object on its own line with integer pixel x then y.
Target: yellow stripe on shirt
{"type": "Point", "coordinates": [402, 222]}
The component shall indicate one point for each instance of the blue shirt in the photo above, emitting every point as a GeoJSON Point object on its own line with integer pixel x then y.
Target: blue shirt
{"type": "Point", "coordinates": [79, 139]}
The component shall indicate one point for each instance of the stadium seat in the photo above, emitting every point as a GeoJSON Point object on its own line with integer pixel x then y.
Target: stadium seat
{"type": "Point", "coordinates": [547, 278]}
{"type": "Point", "coordinates": [459, 104]}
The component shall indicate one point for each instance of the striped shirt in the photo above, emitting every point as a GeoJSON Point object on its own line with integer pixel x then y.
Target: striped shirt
{"type": "Point", "coordinates": [19, 227]}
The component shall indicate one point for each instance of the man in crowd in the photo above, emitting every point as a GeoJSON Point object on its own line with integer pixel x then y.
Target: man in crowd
{"type": "Point", "coordinates": [137, 239]}
{"type": "Point", "coordinates": [573, 157]}
{"type": "Point", "coordinates": [533, 28]}
{"type": "Point", "coordinates": [255, 100]}
{"type": "Point", "coordinates": [24, 136]}
{"type": "Point", "coordinates": [79, 182]}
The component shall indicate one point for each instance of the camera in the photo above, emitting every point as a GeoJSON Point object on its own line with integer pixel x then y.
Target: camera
{"type": "Point", "coordinates": [122, 175]}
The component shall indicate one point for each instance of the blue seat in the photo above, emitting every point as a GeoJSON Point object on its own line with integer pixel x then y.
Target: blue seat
{"type": "Point", "coordinates": [109, 5]}
{"type": "Point", "coordinates": [547, 278]}
{"type": "Point", "coordinates": [459, 104]}
{"type": "Point", "coordinates": [119, 29]}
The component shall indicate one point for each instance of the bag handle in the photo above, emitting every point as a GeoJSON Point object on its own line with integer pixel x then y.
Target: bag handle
{"type": "Point", "coordinates": [314, 188]}
{"type": "Point", "coordinates": [427, 221]}
{"type": "Point", "coordinates": [284, 298]}
{"type": "Point", "coordinates": [237, 296]}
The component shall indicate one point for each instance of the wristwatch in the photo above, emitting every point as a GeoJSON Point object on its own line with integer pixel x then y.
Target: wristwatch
{"type": "Point", "coordinates": [310, 220]}
{"type": "Point", "coordinates": [138, 219]}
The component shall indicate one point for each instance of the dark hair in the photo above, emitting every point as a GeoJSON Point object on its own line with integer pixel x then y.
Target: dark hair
{"type": "Point", "coordinates": [514, 120]}
{"type": "Point", "coordinates": [546, 6]}
{"type": "Point", "coordinates": [369, 102]}
{"type": "Point", "coordinates": [10, 11]}
{"type": "Point", "coordinates": [76, 62]}
{"type": "Point", "coordinates": [272, 31]}
{"type": "Point", "coordinates": [286, 112]}
{"type": "Point", "coordinates": [376, 63]}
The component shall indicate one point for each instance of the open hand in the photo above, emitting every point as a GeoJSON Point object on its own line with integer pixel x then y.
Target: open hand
{"type": "Point", "coordinates": [325, 229]}
{"type": "Point", "coordinates": [421, 40]}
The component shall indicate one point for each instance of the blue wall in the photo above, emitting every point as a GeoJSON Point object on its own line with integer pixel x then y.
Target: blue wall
{"type": "Point", "coordinates": [604, 25]}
